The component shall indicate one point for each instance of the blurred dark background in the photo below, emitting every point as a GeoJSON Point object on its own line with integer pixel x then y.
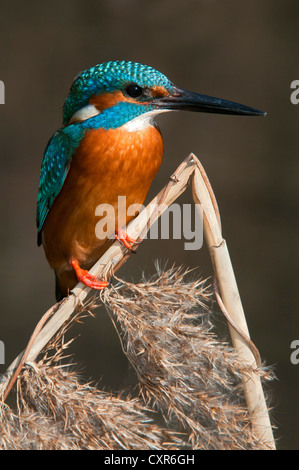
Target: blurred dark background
{"type": "Point", "coordinates": [243, 51]}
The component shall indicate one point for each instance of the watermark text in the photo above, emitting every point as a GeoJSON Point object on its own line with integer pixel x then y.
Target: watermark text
{"type": "Point", "coordinates": [2, 92]}
{"type": "Point", "coordinates": [295, 94]}
{"type": "Point", "coordinates": [295, 354]}
{"type": "Point", "coordinates": [2, 353]}
{"type": "Point", "coordinates": [176, 222]}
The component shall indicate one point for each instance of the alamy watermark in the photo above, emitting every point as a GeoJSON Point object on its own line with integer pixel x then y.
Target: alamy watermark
{"type": "Point", "coordinates": [2, 353]}
{"type": "Point", "coordinates": [177, 222]}
{"type": "Point", "coordinates": [295, 354]}
{"type": "Point", "coordinates": [2, 92]}
{"type": "Point", "coordinates": [295, 94]}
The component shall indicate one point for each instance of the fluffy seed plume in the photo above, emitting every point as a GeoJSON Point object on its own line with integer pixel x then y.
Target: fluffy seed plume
{"type": "Point", "coordinates": [185, 373]}
{"type": "Point", "coordinates": [184, 370]}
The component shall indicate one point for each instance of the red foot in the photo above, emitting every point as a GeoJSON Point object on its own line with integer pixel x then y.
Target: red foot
{"type": "Point", "coordinates": [122, 236]}
{"type": "Point", "coordinates": [86, 278]}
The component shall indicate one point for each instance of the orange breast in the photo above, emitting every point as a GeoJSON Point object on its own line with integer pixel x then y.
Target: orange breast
{"type": "Point", "coordinates": [107, 164]}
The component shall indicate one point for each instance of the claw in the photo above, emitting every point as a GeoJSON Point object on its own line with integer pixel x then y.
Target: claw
{"type": "Point", "coordinates": [122, 236]}
{"type": "Point", "coordinates": [86, 278]}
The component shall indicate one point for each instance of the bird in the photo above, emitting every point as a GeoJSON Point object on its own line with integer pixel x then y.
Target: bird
{"type": "Point", "coordinates": [109, 145]}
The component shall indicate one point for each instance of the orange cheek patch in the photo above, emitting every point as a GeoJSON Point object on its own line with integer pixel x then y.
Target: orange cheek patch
{"type": "Point", "coordinates": [159, 91]}
{"type": "Point", "coordinates": [107, 100]}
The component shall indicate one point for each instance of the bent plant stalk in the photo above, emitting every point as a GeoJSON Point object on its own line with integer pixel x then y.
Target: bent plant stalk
{"type": "Point", "coordinates": [228, 295]}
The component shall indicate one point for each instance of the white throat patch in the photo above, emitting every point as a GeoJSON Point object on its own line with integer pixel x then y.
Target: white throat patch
{"type": "Point", "coordinates": [141, 122]}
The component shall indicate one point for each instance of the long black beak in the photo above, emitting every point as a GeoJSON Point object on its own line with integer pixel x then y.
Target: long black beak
{"type": "Point", "coordinates": [189, 101]}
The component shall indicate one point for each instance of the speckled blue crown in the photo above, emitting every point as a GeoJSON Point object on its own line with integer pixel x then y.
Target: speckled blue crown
{"type": "Point", "coordinates": [107, 77]}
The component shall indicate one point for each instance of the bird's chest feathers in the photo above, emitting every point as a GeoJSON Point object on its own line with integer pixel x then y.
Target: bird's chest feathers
{"type": "Point", "coordinates": [119, 157]}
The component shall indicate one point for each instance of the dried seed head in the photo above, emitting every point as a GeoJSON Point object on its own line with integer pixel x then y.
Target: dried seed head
{"type": "Point", "coordinates": [185, 372]}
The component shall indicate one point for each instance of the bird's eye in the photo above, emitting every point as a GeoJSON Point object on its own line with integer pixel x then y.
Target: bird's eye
{"type": "Point", "coordinates": [134, 90]}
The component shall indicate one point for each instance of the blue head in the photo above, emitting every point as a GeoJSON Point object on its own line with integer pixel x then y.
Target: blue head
{"type": "Point", "coordinates": [134, 89]}
{"type": "Point", "coordinates": [139, 84]}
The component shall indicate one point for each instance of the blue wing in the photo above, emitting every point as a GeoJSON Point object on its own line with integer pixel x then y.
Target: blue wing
{"type": "Point", "coordinates": [54, 168]}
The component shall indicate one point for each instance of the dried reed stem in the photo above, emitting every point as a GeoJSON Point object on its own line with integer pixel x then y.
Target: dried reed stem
{"type": "Point", "coordinates": [223, 269]}
{"type": "Point", "coordinates": [116, 255]}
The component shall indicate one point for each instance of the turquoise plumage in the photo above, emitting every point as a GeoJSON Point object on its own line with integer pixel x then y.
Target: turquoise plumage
{"type": "Point", "coordinates": [108, 146]}
{"type": "Point", "coordinates": [106, 77]}
{"type": "Point", "coordinates": [54, 169]}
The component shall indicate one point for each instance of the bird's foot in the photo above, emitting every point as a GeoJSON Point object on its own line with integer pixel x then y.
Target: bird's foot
{"type": "Point", "coordinates": [122, 236]}
{"type": "Point", "coordinates": [86, 278]}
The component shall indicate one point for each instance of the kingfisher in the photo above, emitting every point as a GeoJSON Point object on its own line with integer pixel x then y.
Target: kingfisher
{"type": "Point", "coordinates": [108, 146]}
